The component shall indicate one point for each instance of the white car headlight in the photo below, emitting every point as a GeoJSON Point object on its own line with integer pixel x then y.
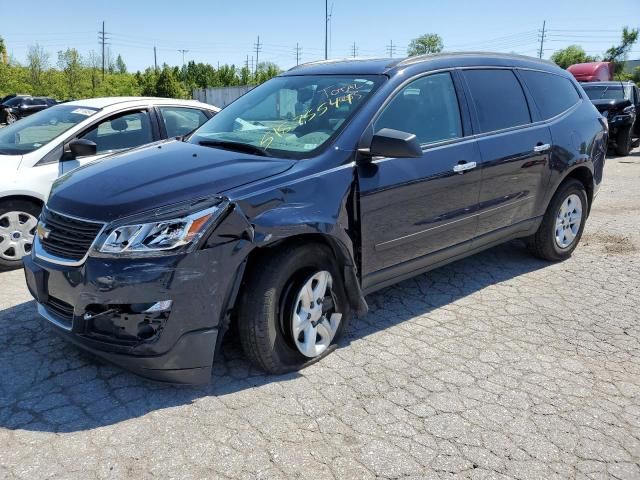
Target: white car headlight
{"type": "Point", "coordinates": [160, 236]}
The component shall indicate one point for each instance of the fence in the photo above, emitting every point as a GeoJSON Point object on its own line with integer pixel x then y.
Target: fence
{"type": "Point", "coordinates": [220, 97]}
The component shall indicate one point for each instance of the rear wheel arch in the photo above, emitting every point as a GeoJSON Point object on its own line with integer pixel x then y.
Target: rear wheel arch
{"type": "Point", "coordinates": [584, 175]}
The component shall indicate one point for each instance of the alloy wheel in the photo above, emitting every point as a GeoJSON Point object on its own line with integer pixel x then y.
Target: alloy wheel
{"type": "Point", "coordinates": [315, 321]}
{"type": "Point", "coordinates": [16, 234]}
{"type": "Point", "coordinates": [11, 118]}
{"type": "Point", "coordinates": [568, 221]}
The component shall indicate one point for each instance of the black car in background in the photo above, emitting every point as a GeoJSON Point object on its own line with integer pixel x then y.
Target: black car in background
{"type": "Point", "coordinates": [619, 103]}
{"type": "Point", "coordinates": [324, 184]}
{"type": "Point", "coordinates": [20, 106]}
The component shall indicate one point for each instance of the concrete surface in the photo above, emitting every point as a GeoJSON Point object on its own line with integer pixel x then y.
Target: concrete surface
{"type": "Point", "coordinates": [498, 366]}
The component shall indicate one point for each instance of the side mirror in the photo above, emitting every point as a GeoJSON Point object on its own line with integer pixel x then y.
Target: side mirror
{"type": "Point", "coordinates": [394, 143]}
{"type": "Point", "coordinates": [81, 147]}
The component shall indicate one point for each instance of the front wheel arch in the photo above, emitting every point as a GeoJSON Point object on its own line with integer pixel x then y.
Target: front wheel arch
{"type": "Point", "coordinates": [341, 254]}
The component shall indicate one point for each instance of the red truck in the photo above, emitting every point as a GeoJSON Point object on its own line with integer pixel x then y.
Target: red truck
{"type": "Point", "coordinates": [592, 71]}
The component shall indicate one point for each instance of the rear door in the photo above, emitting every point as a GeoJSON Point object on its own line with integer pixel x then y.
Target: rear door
{"type": "Point", "coordinates": [514, 151]}
{"type": "Point", "coordinates": [413, 207]}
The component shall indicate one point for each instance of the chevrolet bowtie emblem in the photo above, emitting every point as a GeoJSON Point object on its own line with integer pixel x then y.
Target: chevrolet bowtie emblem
{"type": "Point", "coordinates": [43, 232]}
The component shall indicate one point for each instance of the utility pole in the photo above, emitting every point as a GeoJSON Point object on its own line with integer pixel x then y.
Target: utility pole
{"type": "Point", "coordinates": [391, 49]}
{"type": "Point", "coordinates": [252, 63]}
{"type": "Point", "coordinates": [258, 48]}
{"type": "Point", "coordinates": [298, 51]}
{"type": "Point", "coordinates": [326, 29]}
{"type": "Point", "coordinates": [354, 50]}
{"type": "Point", "coordinates": [155, 59]}
{"type": "Point", "coordinates": [246, 63]}
{"type": "Point", "coordinates": [183, 52]}
{"type": "Point", "coordinates": [544, 24]}
{"type": "Point", "coordinates": [103, 37]}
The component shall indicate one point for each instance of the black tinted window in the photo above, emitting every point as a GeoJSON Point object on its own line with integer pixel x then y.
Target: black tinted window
{"type": "Point", "coordinates": [498, 98]}
{"type": "Point", "coordinates": [427, 107]}
{"type": "Point", "coordinates": [552, 93]}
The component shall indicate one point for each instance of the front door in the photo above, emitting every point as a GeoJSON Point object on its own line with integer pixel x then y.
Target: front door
{"type": "Point", "coordinates": [414, 208]}
{"type": "Point", "coordinates": [114, 134]}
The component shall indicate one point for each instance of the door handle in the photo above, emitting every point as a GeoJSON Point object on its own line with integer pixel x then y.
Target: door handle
{"type": "Point", "coordinates": [541, 147]}
{"type": "Point", "coordinates": [463, 166]}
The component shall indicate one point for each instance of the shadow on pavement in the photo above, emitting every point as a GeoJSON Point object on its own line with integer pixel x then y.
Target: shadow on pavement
{"type": "Point", "coordinates": [49, 385]}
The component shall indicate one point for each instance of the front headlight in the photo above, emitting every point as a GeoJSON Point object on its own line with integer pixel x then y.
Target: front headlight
{"type": "Point", "coordinates": [629, 110]}
{"type": "Point", "coordinates": [153, 238]}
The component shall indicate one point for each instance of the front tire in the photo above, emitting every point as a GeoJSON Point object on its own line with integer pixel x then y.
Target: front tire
{"type": "Point", "coordinates": [11, 118]}
{"type": "Point", "coordinates": [562, 224]}
{"type": "Point", "coordinates": [18, 221]}
{"type": "Point", "coordinates": [293, 308]}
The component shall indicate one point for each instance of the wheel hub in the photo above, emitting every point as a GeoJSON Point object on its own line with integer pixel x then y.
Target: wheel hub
{"type": "Point", "coordinates": [17, 230]}
{"type": "Point", "coordinates": [314, 321]}
{"type": "Point", "coordinates": [568, 221]}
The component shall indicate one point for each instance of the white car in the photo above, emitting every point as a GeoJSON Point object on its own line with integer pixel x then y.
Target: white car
{"type": "Point", "coordinates": [38, 149]}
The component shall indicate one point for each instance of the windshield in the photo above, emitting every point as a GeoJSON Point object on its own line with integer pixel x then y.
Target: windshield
{"type": "Point", "coordinates": [288, 116]}
{"type": "Point", "coordinates": [37, 130]}
{"type": "Point", "coordinates": [607, 92]}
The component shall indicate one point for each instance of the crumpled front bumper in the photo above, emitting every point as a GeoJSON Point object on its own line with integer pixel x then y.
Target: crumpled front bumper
{"type": "Point", "coordinates": [99, 306]}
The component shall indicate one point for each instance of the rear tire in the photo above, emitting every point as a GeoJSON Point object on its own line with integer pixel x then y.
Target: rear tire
{"type": "Point", "coordinates": [623, 142]}
{"type": "Point", "coordinates": [562, 224]}
{"type": "Point", "coordinates": [18, 221]}
{"type": "Point", "coordinates": [280, 327]}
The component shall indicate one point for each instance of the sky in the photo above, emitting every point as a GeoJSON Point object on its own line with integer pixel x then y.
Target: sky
{"type": "Point", "coordinates": [226, 32]}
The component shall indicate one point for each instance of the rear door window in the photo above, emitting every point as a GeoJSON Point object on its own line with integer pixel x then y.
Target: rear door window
{"type": "Point", "coordinates": [179, 121]}
{"type": "Point", "coordinates": [498, 99]}
{"type": "Point", "coordinates": [552, 93]}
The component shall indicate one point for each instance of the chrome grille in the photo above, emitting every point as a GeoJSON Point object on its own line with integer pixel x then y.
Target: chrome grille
{"type": "Point", "coordinates": [66, 237]}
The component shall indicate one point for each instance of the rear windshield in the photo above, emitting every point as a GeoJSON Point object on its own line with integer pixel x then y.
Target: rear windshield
{"type": "Point", "coordinates": [607, 92]}
{"type": "Point", "coordinates": [35, 131]}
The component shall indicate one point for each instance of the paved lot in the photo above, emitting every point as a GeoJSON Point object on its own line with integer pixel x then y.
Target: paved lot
{"type": "Point", "coordinates": [498, 366]}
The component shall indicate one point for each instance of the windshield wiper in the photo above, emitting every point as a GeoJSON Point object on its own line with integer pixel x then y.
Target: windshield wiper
{"type": "Point", "coordinates": [238, 146]}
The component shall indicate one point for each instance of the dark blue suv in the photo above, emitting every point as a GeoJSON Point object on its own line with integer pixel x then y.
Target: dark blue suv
{"type": "Point", "coordinates": [324, 184]}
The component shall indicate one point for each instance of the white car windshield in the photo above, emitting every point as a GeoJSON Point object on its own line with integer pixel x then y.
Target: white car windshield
{"type": "Point", "coordinates": [288, 116]}
{"type": "Point", "coordinates": [35, 131]}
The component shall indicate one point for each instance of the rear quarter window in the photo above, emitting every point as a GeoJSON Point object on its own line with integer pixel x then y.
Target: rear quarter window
{"type": "Point", "coordinates": [553, 94]}
{"type": "Point", "coordinates": [498, 99]}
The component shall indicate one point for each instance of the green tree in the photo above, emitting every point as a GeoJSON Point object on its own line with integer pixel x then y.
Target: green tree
{"type": "Point", "coordinates": [121, 67]}
{"type": "Point", "coordinates": [266, 70]}
{"type": "Point", "coordinates": [428, 43]}
{"type": "Point", "coordinates": [38, 60]}
{"type": "Point", "coordinates": [3, 51]}
{"type": "Point", "coordinates": [70, 62]}
{"type": "Point", "coordinates": [168, 84]}
{"type": "Point", "coordinates": [618, 53]}
{"type": "Point", "coordinates": [94, 70]}
{"type": "Point", "coordinates": [570, 56]}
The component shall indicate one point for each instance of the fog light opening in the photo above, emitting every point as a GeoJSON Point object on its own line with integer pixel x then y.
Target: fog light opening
{"type": "Point", "coordinates": [161, 306]}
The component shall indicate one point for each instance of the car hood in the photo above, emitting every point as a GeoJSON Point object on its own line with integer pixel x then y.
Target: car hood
{"type": "Point", "coordinates": [606, 104]}
{"type": "Point", "coordinates": [10, 163]}
{"type": "Point", "coordinates": [155, 176]}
